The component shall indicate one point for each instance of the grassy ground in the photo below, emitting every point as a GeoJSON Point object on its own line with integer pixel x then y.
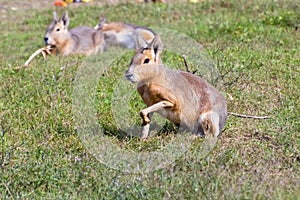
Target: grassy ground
{"type": "Point", "coordinates": [255, 45]}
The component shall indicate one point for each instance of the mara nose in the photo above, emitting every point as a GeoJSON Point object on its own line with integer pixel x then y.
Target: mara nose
{"type": "Point", "coordinates": [46, 40]}
{"type": "Point", "coordinates": [129, 76]}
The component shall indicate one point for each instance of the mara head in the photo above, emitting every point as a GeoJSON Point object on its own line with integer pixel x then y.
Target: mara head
{"type": "Point", "coordinates": [146, 57]}
{"type": "Point", "coordinates": [57, 30]}
{"type": "Point", "coordinates": [101, 24]}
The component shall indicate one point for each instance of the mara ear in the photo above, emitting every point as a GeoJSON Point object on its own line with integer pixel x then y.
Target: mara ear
{"type": "Point", "coordinates": [156, 47]}
{"type": "Point", "coordinates": [55, 16]}
{"type": "Point", "coordinates": [65, 19]}
{"type": "Point", "coordinates": [101, 24]}
{"type": "Point", "coordinates": [140, 42]}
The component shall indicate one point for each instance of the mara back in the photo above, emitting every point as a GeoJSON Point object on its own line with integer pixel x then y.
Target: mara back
{"type": "Point", "coordinates": [123, 34]}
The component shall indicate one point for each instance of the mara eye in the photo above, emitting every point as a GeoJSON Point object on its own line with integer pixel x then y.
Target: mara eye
{"type": "Point", "coordinates": [57, 29]}
{"type": "Point", "coordinates": [147, 60]}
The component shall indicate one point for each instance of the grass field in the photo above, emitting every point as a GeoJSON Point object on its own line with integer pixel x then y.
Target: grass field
{"type": "Point", "coordinates": [256, 48]}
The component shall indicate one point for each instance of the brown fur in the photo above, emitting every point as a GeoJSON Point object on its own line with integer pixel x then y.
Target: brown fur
{"type": "Point", "coordinates": [202, 88]}
{"type": "Point", "coordinates": [147, 36]}
{"type": "Point", "coordinates": [115, 26]}
{"type": "Point", "coordinates": [122, 34]}
{"type": "Point", "coordinates": [182, 97]}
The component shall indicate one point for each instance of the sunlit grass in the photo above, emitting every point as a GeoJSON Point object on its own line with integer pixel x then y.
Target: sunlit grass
{"type": "Point", "coordinates": [255, 46]}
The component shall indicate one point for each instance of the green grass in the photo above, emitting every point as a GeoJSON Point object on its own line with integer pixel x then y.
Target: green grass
{"type": "Point", "coordinates": [255, 45]}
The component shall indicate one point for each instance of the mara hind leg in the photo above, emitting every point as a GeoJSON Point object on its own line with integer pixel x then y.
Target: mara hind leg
{"type": "Point", "coordinates": [145, 114]}
{"type": "Point", "coordinates": [209, 124]}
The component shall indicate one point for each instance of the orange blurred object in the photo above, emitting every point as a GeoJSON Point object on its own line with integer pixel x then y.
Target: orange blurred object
{"type": "Point", "coordinates": [60, 3]}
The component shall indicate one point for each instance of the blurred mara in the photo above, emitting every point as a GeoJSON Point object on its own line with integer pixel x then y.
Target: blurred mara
{"type": "Point", "coordinates": [123, 34]}
{"type": "Point", "coordinates": [81, 40]}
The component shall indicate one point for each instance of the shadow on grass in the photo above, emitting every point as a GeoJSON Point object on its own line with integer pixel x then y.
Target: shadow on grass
{"type": "Point", "coordinates": [156, 131]}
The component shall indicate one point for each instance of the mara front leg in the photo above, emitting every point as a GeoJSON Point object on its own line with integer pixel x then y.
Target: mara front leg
{"type": "Point", "coordinates": [145, 114]}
